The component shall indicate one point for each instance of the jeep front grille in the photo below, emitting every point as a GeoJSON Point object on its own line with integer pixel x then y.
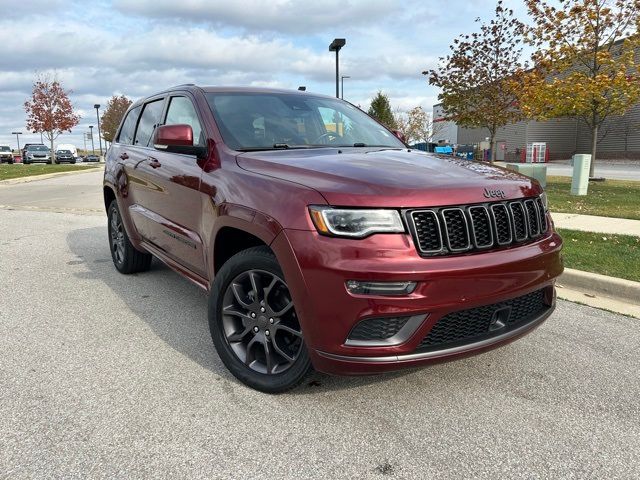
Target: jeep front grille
{"type": "Point", "coordinates": [451, 230]}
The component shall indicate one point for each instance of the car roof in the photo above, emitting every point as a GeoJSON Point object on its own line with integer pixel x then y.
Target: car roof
{"type": "Point", "coordinates": [226, 89]}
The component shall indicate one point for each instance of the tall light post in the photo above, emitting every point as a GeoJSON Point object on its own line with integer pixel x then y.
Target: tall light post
{"type": "Point", "coordinates": [97, 107]}
{"type": "Point", "coordinates": [93, 148]}
{"type": "Point", "coordinates": [335, 46]}
{"type": "Point", "coordinates": [342, 82]}
{"type": "Point", "coordinates": [17, 140]}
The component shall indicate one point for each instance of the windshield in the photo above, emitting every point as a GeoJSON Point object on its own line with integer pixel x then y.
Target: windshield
{"type": "Point", "coordinates": [63, 151]}
{"type": "Point", "coordinates": [37, 148]}
{"type": "Point", "coordinates": [5, 149]}
{"type": "Point", "coordinates": [264, 121]}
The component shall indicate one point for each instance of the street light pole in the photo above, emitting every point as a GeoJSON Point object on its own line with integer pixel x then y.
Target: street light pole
{"type": "Point", "coordinates": [17, 140]}
{"type": "Point", "coordinates": [342, 82]}
{"type": "Point", "coordinates": [93, 148]}
{"type": "Point", "coordinates": [97, 107]}
{"type": "Point", "coordinates": [335, 46]}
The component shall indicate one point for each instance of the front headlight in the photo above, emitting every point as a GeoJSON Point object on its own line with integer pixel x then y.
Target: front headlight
{"type": "Point", "coordinates": [545, 201]}
{"type": "Point", "coordinates": [355, 223]}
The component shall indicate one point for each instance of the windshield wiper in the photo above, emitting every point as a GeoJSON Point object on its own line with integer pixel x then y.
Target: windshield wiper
{"type": "Point", "coordinates": [279, 146]}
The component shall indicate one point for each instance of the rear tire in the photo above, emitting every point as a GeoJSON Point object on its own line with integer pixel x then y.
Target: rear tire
{"type": "Point", "coordinates": [253, 323]}
{"type": "Point", "coordinates": [125, 257]}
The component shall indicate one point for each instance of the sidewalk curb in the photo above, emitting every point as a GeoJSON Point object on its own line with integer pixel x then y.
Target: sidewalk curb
{"type": "Point", "coordinates": [617, 288]}
{"type": "Point", "coordinates": [44, 176]}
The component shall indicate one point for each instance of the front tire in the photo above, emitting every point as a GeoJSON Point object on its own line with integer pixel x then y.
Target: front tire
{"type": "Point", "coordinates": [125, 257]}
{"type": "Point", "coordinates": [253, 323]}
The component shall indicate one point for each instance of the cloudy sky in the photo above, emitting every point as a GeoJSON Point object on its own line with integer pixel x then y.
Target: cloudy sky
{"type": "Point", "coordinates": [136, 47]}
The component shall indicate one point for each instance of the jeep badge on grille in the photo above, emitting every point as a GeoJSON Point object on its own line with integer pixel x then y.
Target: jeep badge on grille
{"type": "Point", "coordinates": [494, 193]}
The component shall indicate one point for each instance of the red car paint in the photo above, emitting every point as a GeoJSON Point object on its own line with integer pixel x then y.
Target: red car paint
{"type": "Point", "coordinates": [178, 208]}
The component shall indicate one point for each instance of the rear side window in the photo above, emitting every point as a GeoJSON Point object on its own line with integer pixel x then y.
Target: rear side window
{"type": "Point", "coordinates": [182, 112]}
{"type": "Point", "coordinates": [148, 122]}
{"type": "Point", "coordinates": [129, 126]}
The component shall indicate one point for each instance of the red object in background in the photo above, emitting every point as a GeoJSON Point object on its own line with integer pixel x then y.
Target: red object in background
{"type": "Point", "coordinates": [17, 159]}
{"type": "Point", "coordinates": [263, 197]}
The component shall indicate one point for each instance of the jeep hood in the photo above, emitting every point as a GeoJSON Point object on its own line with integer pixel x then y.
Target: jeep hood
{"type": "Point", "coordinates": [388, 178]}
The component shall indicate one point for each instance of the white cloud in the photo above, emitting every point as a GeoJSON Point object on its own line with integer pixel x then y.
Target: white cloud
{"type": "Point", "coordinates": [137, 47]}
{"type": "Point", "coordinates": [285, 16]}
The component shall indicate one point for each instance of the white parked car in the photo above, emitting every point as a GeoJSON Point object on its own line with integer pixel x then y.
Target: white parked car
{"type": "Point", "coordinates": [6, 155]}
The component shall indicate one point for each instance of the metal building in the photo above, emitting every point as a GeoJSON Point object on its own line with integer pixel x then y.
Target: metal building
{"type": "Point", "coordinates": [619, 137]}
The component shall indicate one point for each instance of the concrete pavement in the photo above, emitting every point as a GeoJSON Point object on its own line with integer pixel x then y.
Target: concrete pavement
{"type": "Point", "coordinates": [75, 193]}
{"type": "Point", "coordinates": [614, 170]}
{"type": "Point", "coordinates": [105, 375]}
{"type": "Point", "coordinates": [592, 223]}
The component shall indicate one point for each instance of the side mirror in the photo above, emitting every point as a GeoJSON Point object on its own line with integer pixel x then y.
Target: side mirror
{"type": "Point", "coordinates": [400, 135]}
{"type": "Point", "coordinates": [176, 139]}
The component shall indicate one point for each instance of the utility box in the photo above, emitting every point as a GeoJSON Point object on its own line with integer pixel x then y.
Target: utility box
{"type": "Point", "coordinates": [580, 180]}
{"type": "Point", "coordinates": [537, 171]}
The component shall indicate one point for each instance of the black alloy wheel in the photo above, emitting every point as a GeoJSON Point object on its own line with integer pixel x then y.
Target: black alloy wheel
{"type": "Point", "coordinates": [116, 237]}
{"type": "Point", "coordinates": [259, 322]}
{"type": "Point", "coordinates": [125, 257]}
{"type": "Point", "coordinates": [254, 324]}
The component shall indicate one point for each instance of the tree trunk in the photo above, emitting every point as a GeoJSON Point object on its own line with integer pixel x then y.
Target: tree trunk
{"type": "Point", "coordinates": [594, 147]}
{"type": "Point", "coordinates": [492, 146]}
{"type": "Point", "coordinates": [53, 153]}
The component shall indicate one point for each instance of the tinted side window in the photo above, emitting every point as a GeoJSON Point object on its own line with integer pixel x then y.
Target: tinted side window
{"type": "Point", "coordinates": [182, 111]}
{"type": "Point", "coordinates": [129, 126]}
{"type": "Point", "coordinates": [148, 121]}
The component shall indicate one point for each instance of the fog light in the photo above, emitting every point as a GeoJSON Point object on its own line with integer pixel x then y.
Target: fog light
{"type": "Point", "coordinates": [380, 288]}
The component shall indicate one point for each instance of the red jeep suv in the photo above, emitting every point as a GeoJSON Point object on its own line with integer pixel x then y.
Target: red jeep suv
{"type": "Point", "coordinates": [322, 239]}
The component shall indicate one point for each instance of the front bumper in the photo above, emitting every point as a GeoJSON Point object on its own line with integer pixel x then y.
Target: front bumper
{"type": "Point", "coordinates": [317, 268]}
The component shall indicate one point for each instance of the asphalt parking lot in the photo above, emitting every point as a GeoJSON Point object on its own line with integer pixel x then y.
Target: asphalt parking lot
{"type": "Point", "coordinates": [103, 375]}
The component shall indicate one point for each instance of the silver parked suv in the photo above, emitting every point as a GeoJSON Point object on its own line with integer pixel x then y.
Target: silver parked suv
{"type": "Point", "coordinates": [36, 153]}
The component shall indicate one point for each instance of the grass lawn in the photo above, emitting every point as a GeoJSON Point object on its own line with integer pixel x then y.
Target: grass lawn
{"type": "Point", "coordinates": [18, 170]}
{"type": "Point", "coordinates": [613, 255]}
{"type": "Point", "coordinates": [611, 198]}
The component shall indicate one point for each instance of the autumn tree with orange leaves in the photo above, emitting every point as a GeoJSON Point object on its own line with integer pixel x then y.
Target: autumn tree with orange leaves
{"type": "Point", "coordinates": [49, 110]}
{"type": "Point", "coordinates": [477, 79]}
{"type": "Point", "coordinates": [112, 116]}
{"type": "Point", "coordinates": [586, 63]}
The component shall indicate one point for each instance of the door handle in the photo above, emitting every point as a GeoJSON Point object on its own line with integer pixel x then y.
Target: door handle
{"type": "Point", "coordinates": [124, 156]}
{"type": "Point", "coordinates": [154, 162]}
